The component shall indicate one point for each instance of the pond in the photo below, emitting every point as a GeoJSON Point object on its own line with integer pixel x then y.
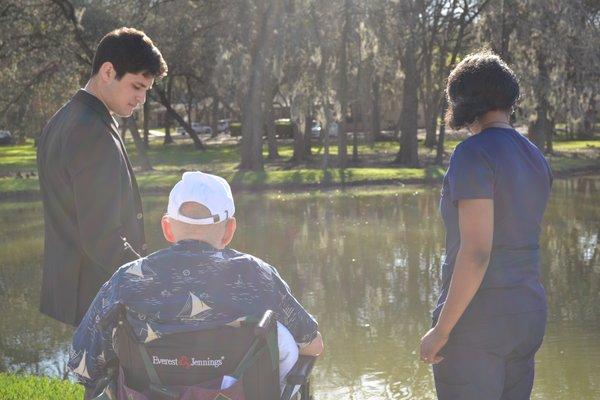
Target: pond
{"type": "Point", "coordinates": [366, 263]}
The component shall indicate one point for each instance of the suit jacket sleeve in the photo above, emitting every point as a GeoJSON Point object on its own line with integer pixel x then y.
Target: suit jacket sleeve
{"type": "Point", "coordinates": [95, 165]}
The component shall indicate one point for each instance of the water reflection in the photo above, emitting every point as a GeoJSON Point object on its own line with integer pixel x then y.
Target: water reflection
{"type": "Point", "coordinates": [366, 263]}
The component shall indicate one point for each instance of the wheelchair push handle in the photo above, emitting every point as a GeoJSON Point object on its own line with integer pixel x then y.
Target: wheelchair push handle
{"type": "Point", "coordinates": [263, 326]}
{"type": "Point", "coordinates": [301, 370]}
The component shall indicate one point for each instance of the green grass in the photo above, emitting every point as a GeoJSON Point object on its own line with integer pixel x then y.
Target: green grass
{"type": "Point", "coordinates": [26, 387]}
{"type": "Point", "coordinates": [223, 159]}
{"type": "Point", "coordinates": [577, 145]}
{"type": "Point", "coordinates": [17, 158]}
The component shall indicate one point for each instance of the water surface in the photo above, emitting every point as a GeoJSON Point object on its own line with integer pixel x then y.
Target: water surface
{"type": "Point", "coordinates": [366, 263]}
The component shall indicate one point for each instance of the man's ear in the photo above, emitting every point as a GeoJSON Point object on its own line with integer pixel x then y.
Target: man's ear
{"type": "Point", "coordinates": [107, 72]}
{"type": "Point", "coordinates": [229, 231]}
{"type": "Point", "coordinates": [167, 229]}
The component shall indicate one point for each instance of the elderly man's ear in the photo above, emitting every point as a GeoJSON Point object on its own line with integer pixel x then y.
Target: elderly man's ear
{"type": "Point", "coordinates": [167, 229]}
{"type": "Point", "coordinates": [229, 231]}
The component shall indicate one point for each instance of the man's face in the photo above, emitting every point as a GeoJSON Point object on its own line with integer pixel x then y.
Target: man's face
{"type": "Point", "coordinates": [125, 94]}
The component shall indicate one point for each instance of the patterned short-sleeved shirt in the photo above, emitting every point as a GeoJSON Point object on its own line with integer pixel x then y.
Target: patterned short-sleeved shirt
{"type": "Point", "coordinates": [188, 286]}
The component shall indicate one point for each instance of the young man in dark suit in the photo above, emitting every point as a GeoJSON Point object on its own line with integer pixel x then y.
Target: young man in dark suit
{"type": "Point", "coordinates": [92, 207]}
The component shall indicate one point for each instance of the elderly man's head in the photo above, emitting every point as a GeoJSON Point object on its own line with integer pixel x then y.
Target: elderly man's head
{"type": "Point", "coordinates": [200, 207]}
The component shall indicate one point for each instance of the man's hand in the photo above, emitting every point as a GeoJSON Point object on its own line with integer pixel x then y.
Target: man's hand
{"type": "Point", "coordinates": [431, 344]}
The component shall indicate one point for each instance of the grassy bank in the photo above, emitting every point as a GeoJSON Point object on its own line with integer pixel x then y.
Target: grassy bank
{"type": "Point", "coordinates": [26, 387]}
{"type": "Point", "coordinates": [375, 165]}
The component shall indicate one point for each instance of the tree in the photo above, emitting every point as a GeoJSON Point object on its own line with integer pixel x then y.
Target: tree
{"type": "Point", "coordinates": [253, 111]}
{"type": "Point", "coordinates": [408, 15]}
{"type": "Point", "coordinates": [131, 125]}
{"type": "Point", "coordinates": [343, 83]}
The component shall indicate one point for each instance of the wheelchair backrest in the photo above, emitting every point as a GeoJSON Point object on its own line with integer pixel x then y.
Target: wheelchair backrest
{"type": "Point", "coordinates": [190, 358]}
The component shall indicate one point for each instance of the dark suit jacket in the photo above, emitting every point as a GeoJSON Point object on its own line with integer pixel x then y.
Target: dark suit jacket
{"type": "Point", "coordinates": [92, 206]}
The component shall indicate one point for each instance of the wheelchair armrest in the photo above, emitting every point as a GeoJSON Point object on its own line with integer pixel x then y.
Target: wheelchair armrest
{"type": "Point", "coordinates": [301, 370]}
{"type": "Point", "coordinates": [298, 376]}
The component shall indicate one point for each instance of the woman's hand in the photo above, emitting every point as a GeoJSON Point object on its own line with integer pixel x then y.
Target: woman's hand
{"type": "Point", "coordinates": [431, 344]}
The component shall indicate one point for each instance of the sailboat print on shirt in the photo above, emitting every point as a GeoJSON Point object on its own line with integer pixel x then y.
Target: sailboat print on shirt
{"type": "Point", "coordinates": [150, 334]}
{"type": "Point", "coordinates": [141, 271]}
{"type": "Point", "coordinates": [193, 306]}
{"type": "Point", "coordinates": [82, 367]}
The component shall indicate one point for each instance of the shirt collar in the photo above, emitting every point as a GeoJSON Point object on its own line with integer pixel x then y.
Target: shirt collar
{"type": "Point", "coordinates": [193, 245]}
{"type": "Point", "coordinates": [97, 105]}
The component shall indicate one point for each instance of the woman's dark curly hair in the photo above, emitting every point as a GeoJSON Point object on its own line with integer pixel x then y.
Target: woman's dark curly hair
{"type": "Point", "coordinates": [480, 83]}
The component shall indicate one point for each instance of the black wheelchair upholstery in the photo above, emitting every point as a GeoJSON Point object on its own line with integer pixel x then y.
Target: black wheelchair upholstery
{"type": "Point", "coordinates": [247, 350]}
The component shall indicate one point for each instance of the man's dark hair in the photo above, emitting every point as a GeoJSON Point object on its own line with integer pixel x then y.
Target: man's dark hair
{"type": "Point", "coordinates": [129, 51]}
{"type": "Point", "coordinates": [480, 83]}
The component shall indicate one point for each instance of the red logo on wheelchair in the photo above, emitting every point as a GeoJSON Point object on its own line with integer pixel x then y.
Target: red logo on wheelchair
{"type": "Point", "coordinates": [184, 362]}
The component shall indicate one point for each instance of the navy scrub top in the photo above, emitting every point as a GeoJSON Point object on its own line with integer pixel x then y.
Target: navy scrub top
{"type": "Point", "coordinates": [503, 165]}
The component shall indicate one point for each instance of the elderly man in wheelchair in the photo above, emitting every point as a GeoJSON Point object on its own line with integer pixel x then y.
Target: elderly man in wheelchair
{"type": "Point", "coordinates": [196, 320]}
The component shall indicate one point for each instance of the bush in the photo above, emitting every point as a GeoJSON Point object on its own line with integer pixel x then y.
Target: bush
{"type": "Point", "coordinates": [235, 129]}
{"type": "Point", "coordinates": [284, 128]}
{"type": "Point", "coordinates": [21, 387]}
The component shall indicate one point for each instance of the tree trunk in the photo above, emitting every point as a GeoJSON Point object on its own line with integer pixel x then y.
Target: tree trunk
{"type": "Point", "coordinates": [429, 95]}
{"type": "Point", "coordinates": [270, 120]}
{"type": "Point", "coordinates": [328, 121]}
{"type": "Point", "coordinates": [253, 113]}
{"type": "Point", "coordinates": [168, 138]}
{"type": "Point", "coordinates": [540, 130]}
{"type": "Point", "coordinates": [439, 154]}
{"type": "Point", "coordinates": [145, 123]}
{"type": "Point", "coordinates": [131, 124]}
{"type": "Point", "coordinates": [186, 125]}
{"type": "Point", "coordinates": [408, 154]}
{"type": "Point", "coordinates": [507, 25]}
{"type": "Point", "coordinates": [190, 100]}
{"type": "Point", "coordinates": [357, 109]}
{"type": "Point", "coordinates": [299, 151]}
{"type": "Point", "coordinates": [271, 135]}
{"type": "Point", "coordinates": [430, 126]}
{"type": "Point", "coordinates": [375, 113]}
{"type": "Point", "coordinates": [355, 115]}
{"type": "Point", "coordinates": [214, 118]}
{"type": "Point", "coordinates": [308, 118]}
{"type": "Point", "coordinates": [342, 138]}
{"type": "Point", "coordinates": [589, 118]}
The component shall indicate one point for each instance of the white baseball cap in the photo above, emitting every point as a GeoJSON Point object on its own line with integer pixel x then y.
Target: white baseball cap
{"type": "Point", "coordinates": [212, 191]}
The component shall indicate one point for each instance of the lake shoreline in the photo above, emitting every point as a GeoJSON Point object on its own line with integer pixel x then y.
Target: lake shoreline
{"type": "Point", "coordinates": [304, 187]}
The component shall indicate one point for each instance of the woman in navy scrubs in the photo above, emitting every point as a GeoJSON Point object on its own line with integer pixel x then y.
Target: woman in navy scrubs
{"type": "Point", "coordinates": [491, 314]}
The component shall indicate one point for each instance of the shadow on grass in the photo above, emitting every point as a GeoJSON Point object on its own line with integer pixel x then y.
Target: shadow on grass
{"type": "Point", "coordinates": [434, 173]}
{"type": "Point", "coordinates": [248, 178]}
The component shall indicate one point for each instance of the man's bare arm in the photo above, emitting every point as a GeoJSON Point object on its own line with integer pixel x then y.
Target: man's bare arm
{"type": "Point", "coordinates": [314, 348]}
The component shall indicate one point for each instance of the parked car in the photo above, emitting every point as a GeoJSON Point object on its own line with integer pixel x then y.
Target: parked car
{"type": "Point", "coordinates": [223, 125]}
{"type": "Point", "coordinates": [5, 138]}
{"type": "Point", "coordinates": [201, 129]}
{"type": "Point", "coordinates": [315, 130]}
{"type": "Point", "coordinates": [333, 129]}
{"type": "Point", "coordinates": [197, 127]}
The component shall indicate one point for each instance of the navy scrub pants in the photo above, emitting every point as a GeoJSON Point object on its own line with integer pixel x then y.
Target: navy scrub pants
{"type": "Point", "coordinates": [491, 360]}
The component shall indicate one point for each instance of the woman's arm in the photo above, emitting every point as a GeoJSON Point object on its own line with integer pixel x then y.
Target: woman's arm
{"type": "Point", "coordinates": [476, 223]}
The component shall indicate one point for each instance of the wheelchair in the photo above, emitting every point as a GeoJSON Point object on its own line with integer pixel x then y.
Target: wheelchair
{"type": "Point", "coordinates": [193, 365]}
